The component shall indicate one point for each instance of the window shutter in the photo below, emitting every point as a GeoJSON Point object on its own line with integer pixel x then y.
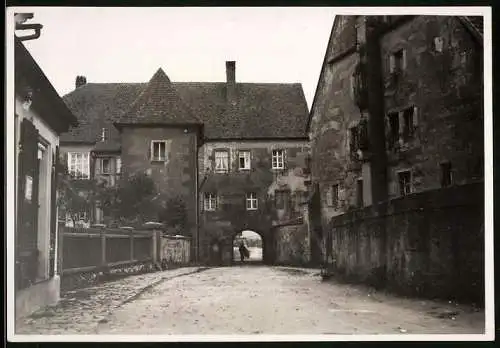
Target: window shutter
{"type": "Point", "coordinates": [98, 165]}
{"type": "Point", "coordinates": [404, 59]}
{"type": "Point", "coordinates": [392, 63]}
{"type": "Point", "coordinates": [150, 152]}
{"type": "Point", "coordinates": [342, 195]}
{"type": "Point", "coordinates": [415, 116]}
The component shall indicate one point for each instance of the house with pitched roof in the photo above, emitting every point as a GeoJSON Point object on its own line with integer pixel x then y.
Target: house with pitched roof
{"type": "Point", "coordinates": [40, 117]}
{"type": "Point", "coordinates": [397, 133]}
{"type": "Point", "coordinates": [236, 153]}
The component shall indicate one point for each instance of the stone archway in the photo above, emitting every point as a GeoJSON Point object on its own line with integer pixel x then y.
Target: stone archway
{"type": "Point", "coordinates": [254, 242]}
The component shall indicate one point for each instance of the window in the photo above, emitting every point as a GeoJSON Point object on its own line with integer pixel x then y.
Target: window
{"type": "Point", "coordinates": [282, 199]}
{"type": "Point", "coordinates": [244, 160]}
{"type": "Point", "coordinates": [221, 161]}
{"type": "Point", "coordinates": [438, 44]}
{"type": "Point", "coordinates": [79, 165]}
{"type": "Point", "coordinates": [334, 195]}
{"type": "Point", "coordinates": [210, 201]}
{"type": "Point", "coordinates": [408, 123]}
{"type": "Point", "coordinates": [404, 179]}
{"type": "Point", "coordinates": [104, 134]}
{"type": "Point", "coordinates": [251, 201]}
{"type": "Point", "coordinates": [105, 166]}
{"type": "Point", "coordinates": [393, 128]}
{"type": "Point", "coordinates": [158, 150]}
{"type": "Point", "coordinates": [353, 139]}
{"type": "Point", "coordinates": [278, 159]}
{"type": "Point", "coordinates": [446, 174]}
{"type": "Point", "coordinates": [118, 165]}
{"type": "Point", "coordinates": [397, 62]}
{"type": "Point", "coordinates": [359, 193]}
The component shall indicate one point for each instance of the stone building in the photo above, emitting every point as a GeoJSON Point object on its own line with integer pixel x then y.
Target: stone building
{"type": "Point", "coordinates": [227, 148]}
{"type": "Point", "coordinates": [396, 130]}
{"type": "Point", "coordinates": [40, 117]}
{"type": "Point", "coordinates": [397, 110]}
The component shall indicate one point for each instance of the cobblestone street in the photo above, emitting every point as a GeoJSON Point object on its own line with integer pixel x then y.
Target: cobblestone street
{"type": "Point", "coordinates": [249, 300]}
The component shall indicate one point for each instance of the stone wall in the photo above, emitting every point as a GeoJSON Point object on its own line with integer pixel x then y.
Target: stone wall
{"type": "Point", "coordinates": [292, 244]}
{"type": "Point", "coordinates": [429, 244]}
{"type": "Point", "coordinates": [446, 87]}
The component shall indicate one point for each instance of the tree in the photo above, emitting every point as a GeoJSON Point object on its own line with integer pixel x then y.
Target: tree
{"type": "Point", "coordinates": [74, 196]}
{"type": "Point", "coordinates": [173, 213]}
{"type": "Point", "coordinates": [133, 200]}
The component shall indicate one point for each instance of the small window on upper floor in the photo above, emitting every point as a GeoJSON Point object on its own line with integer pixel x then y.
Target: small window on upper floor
{"type": "Point", "coordinates": [404, 180]}
{"type": "Point", "coordinates": [158, 150]}
{"type": "Point", "coordinates": [79, 165]}
{"type": "Point", "coordinates": [408, 122]}
{"type": "Point", "coordinates": [334, 195]}
{"type": "Point", "coordinates": [353, 139]}
{"type": "Point", "coordinates": [446, 174]}
{"type": "Point", "coordinates": [278, 159]}
{"type": "Point", "coordinates": [244, 160]}
{"type": "Point", "coordinates": [251, 201]}
{"type": "Point", "coordinates": [397, 62]}
{"type": "Point", "coordinates": [104, 134]}
{"type": "Point", "coordinates": [393, 128]}
{"type": "Point", "coordinates": [105, 165]}
{"type": "Point", "coordinates": [210, 201]}
{"type": "Point", "coordinates": [221, 161]}
{"type": "Point", "coordinates": [438, 44]}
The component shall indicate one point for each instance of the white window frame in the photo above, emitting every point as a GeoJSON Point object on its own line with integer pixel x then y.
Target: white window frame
{"type": "Point", "coordinates": [79, 170]}
{"type": "Point", "coordinates": [118, 165]}
{"type": "Point", "coordinates": [252, 201]}
{"type": "Point", "coordinates": [159, 158]}
{"type": "Point", "coordinates": [409, 184]}
{"type": "Point", "coordinates": [278, 159]}
{"type": "Point", "coordinates": [104, 134]}
{"type": "Point", "coordinates": [210, 201]}
{"type": "Point", "coordinates": [438, 44]}
{"type": "Point", "coordinates": [221, 158]}
{"type": "Point", "coordinates": [245, 155]}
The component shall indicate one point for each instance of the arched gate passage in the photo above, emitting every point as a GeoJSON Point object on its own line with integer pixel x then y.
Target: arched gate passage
{"type": "Point", "coordinates": [253, 243]}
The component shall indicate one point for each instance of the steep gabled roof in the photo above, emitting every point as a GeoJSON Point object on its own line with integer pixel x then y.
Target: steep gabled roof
{"type": "Point", "coordinates": [267, 110]}
{"type": "Point", "coordinates": [158, 103]}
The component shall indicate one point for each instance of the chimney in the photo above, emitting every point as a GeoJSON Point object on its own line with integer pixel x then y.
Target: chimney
{"type": "Point", "coordinates": [80, 81]}
{"type": "Point", "coordinates": [231, 79]}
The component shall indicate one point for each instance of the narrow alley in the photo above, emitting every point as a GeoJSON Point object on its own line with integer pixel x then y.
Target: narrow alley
{"type": "Point", "coordinates": [255, 300]}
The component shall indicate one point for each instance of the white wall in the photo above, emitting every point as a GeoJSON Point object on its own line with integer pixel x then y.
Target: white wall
{"type": "Point", "coordinates": [51, 138]}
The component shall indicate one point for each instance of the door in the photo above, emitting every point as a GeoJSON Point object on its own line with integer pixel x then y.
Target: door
{"type": "Point", "coordinates": [27, 219]}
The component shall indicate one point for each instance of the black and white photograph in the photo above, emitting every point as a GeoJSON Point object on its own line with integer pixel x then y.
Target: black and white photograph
{"type": "Point", "coordinates": [249, 174]}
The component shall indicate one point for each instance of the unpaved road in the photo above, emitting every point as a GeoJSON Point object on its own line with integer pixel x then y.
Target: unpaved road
{"type": "Point", "coordinates": [271, 300]}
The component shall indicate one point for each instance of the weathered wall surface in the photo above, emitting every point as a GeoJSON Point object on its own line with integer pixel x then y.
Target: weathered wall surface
{"type": "Point", "coordinates": [430, 243]}
{"type": "Point", "coordinates": [446, 87]}
{"type": "Point", "coordinates": [292, 245]}
{"type": "Point", "coordinates": [231, 216]}
{"type": "Point", "coordinates": [334, 112]}
{"type": "Point", "coordinates": [175, 177]}
{"type": "Point", "coordinates": [175, 251]}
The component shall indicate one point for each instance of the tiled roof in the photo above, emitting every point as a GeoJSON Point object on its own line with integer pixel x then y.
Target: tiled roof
{"type": "Point", "coordinates": [265, 110]}
{"type": "Point", "coordinates": [158, 103]}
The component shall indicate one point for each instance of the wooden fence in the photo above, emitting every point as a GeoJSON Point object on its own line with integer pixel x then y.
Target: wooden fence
{"type": "Point", "coordinates": [91, 249]}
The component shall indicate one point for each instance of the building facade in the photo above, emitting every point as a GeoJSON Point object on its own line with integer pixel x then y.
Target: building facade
{"type": "Point", "coordinates": [40, 116]}
{"type": "Point", "coordinates": [397, 110]}
{"type": "Point", "coordinates": [227, 149]}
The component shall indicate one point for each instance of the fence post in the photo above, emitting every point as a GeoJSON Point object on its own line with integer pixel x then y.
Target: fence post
{"type": "Point", "coordinates": [103, 248]}
{"type": "Point", "coordinates": [132, 245]}
{"type": "Point", "coordinates": [154, 246]}
{"type": "Point", "coordinates": [60, 235]}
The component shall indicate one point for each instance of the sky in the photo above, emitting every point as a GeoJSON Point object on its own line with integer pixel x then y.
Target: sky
{"type": "Point", "coordinates": [279, 45]}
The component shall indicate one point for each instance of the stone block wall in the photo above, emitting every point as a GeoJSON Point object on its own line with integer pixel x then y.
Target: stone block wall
{"type": "Point", "coordinates": [427, 244]}
{"type": "Point", "coordinates": [292, 244]}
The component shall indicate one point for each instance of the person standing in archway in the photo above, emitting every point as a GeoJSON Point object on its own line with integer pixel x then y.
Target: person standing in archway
{"type": "Point", "coordinates": [243, 252]}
